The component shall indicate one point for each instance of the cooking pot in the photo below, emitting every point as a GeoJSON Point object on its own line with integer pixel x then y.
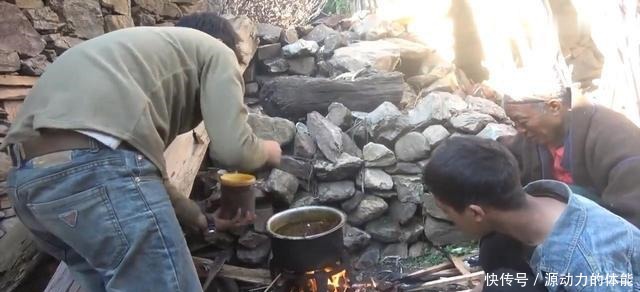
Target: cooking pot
{"type": "Point", "coordinates": [306, 238]}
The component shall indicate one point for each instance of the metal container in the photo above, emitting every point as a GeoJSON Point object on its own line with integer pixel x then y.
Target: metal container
{"type": "Point", "coordinates": [307, 252]}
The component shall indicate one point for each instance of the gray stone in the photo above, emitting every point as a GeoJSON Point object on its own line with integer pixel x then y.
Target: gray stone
{"type": "Point", "coordinates": [332, 43]}
{"type": "Point", "coordinates": [378, 155]}
{"type": "Point", "coordinates": [327, 135]}
{"type": "Point", "coordinates": [300, 48]}
{"type": "Point", "coordinates": [252, 239]}
{"type": "Point", "coordinates": [411, 147]}
{"type": "Point", "coordinates": [324, 70]}
{"type": "Point", "coordinates": [305, 200]}
{"type": "Point", "coordinates": [153, 6]}
{"type": "Point", "coordinates": [470, 122]}
{"type": "Point", "coordinates": [34, 66]}
{"type": "Point", "coordinates": [340, 116]}
{"type": "Point", "coordinates": [61, 44]}
{"type": "Point", "coordinates": [335, 191]}
{"type": "Point", "coordinates": [269, 33]}
{"type": "Point", "coordinates": [351, 204]}
{"type": "Point", "coordinates": [220, 239]}
{"type": "Point", "coordinates": [389, 129]}
{"type": "Point", "coordinates": [122, 7]}
{"type": "Point", "coordinates": [429, 207]}
{"type": "Point", "coordinates": [400, 250]}
{"type": "Point", "coordinates": [268, 128]}
{"type": "Point", "coordinates": [384, 229]}
{"type": "Point", "coordinates": [435, 108]}
{"type": "Point", "coordinates": [384, 110]}
{"type": "Point", "coordinates": [270, 51]}
{"type": "Point", "coordinates": [494, 131]}
{"type": "Point", "coordinates": [349, 146]}
{"type": "Point", "coordinates": [374, 27]}
{"type": "Point", "coordinates": [141, 18]}
{"type": "Point", "coordinates": [347, 167]}
{"type": "Point", "coordinates": [320, 33]}
{"type": "Point", "coordinates": [412, 231]}
{"type": "Point", "coordinates": [254, 256]}
{"type": "Point", "coordinates": [84, 17]}
{"type": "Point", "coordinates": [282, 185]}
{"type": "Point", "coordinates": [370, 208]}
{"type": "Point", "coordinates": [303, 144]}
{"type": "Point", "coordinates": [247, 31]}
{"type": "Point", "coordinates": [29, 4]}
{"type": "Point", "coordinates": [263, 213]}
{"type": "Point", "coordinates": [440, 232]}
{"type": "Point", "coordinates": [409, 97]}
{"type": "Point", "coordinates": [402, 212]}
{"type": "Point", "coordinates": [16, 32]}
{"type": "Point", "coordinates": [116, 22]}
{"type": "Point", "coordinates": [276, 65]}
{"type": "Point", "coordinates": [485, 106]}
{"type": "Point", "coordinates": [362, 55]}
{"type": "Point", "coordinates": [368, 258]}
{"type": "Point", "coordinates": [171, 11]}
{"type": "Point", "coordinates": [418, 249]}
{"type": "Point", "coordinates": [385, 195]}
{"type": "Point", "coordinates": [355, 238]}
{"type": "Point", "coordinates": [300, 168]}
{"type": "Point", "coordinates": [44, 19]}
{"type": "Point", "coordinates": [9, 62]}
{"type": "Point", "coordinates": [251, 89]}
{"type": "Point", "coordinates": [289, 36]}
{"type": "Point", "coordinates": [375, 179]}
{"type": "Point", "coordinates": [404, 168]}
{"type": "Point", "coordinates": [302, 66]}
{"type": "Point", "coordinates": [410, 188]}
{"type": "Point", "coordinates": [435, 134]}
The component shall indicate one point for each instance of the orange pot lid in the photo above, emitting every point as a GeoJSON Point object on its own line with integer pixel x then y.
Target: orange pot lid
{"type": "Point", "coordinates": [237, 179]}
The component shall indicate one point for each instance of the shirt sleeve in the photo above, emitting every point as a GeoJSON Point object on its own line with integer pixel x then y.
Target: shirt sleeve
{"type": "Point", "coordinates": [233, 142]}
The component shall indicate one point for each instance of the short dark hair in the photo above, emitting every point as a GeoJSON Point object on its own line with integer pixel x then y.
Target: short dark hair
{"type": "Point", "coordinates": [473, 170]}
{"type": "Point", "coordinates": [216, 26]}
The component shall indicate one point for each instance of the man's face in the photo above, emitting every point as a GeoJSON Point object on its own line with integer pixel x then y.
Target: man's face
{"type": "Point", "coordinates": [539, 121]}
{"type": "Point", "coordinates": [471, 220]}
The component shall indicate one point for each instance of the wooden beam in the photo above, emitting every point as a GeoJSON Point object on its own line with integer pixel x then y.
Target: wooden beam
{"type": "Point", "coordinates": [13, 93]}
{"type": "Point", "coordinates": [16, 80]}
{"type": "Point", "coordinates": [12, 107]}
{"type": "Point", "coordinates": [184, 156]}
{"type": "Point", "coordinates": [256, 276]}
{"type": "Point", "coordinates": [446, 281]}
{"type": "Point", "coordinates": [429, 270]}
{"type": "Point", "coordinates": [459, 264]}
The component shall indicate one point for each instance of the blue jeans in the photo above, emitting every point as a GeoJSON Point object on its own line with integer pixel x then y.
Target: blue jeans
{"type": "Point", "coordinates": [107, 215]}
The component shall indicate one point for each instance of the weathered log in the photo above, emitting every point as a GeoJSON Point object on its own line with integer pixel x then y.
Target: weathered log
{"type": "Point", "coordinates": [295, 96]}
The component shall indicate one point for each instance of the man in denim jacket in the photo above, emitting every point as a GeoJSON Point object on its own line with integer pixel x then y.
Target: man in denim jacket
{"type": "Point", "coordinates": [571, 243]}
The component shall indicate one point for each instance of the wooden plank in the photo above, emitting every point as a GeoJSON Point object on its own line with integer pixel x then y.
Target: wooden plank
{"type": "Point", "coordinates": [12, 107]}
{"type": "Point", "coordinates": [446, 281]}
{"type": "Point", "coordinates": [16, 80]}
{"type": "Point", "coordinates": [184, 157]}
{"type": "Point", "coordinates": [61, 280]}
{"type": "Point", "coordinates": [429, 270]}
{"type": "Point", "coordinates": [13, 93]}
{"type": "Point", "coordinates": [459, 264]}
{"type": "Point", "coordinates": [256, 276]}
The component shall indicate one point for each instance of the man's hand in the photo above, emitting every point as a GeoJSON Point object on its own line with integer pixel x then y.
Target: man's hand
{"type": "Point", "coordinates": [273, 152]}
{"type": "Point", "coordinates": [239, 220]}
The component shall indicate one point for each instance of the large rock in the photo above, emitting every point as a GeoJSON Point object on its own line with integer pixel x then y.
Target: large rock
{"type": "Point", "coordinates": [61, 44]}
{"type": "Point", "coordinates": [254, 256]}
{"type": "Point", "coordinates": [418, 249]}
{"type": "Point", "coordinates": [389, 129]}
{"type": "Point", "coordinates": [269, 33]}
{"type": "Point", "coordinates": [387, 195]}
{"type": "Point", "coordinates": [383, 55]}
{"type": "Point", "coordinates": [470, 122]}
{"type": "Point", "coordinates": [494, 131]}
{"type": "Point", "coordinates": [270, 51]}
{"type": "Point", "coordinates": [435, 108]}
{"type": "Point", "coordinates": [305, 200]}
{"type": "Point", "coordinates": [153, 6]}
{"type": "Point", "coordinates": [340, 115]}
{"type": "Point", "coordinates": [384, 229]}
{"type": "Point", "coordinates": [29, 4]}
{"type": "Point", "coordinates": [252, 239]}
{"type": "Point", "coordinates": [378, 155]}
{"type": "Point", "coordinates": [435, 134]}
{"type": "Point", "coordinates": [300, 168]}
{"type": "Point", "coordinates": [289, 36]}
{"type": "Point", "coordinates": [412, 230]}
{"type": "Point", "coordinates": [247, 32]}
{"type": "Point", "coordinates": [116, 22]}
{"type": "Point", "coordinates": [300, 48]}
{"type": "Point", "coordinates": [375, 179]}
{"type": "Point", "coordinates": [370, 208]}
{"type": "Point", "coordinates": [44, 19]}
{"type": "Point", "coordinates": [335, 191]}
{"type": "Point", "coordinates": [303, 144]}
{"type": "Point", "coordinates": [374, 27]}
{"type": "Point", "coordinates": [347, 167]}
{"type": "Point", "coordinates": [276, 65]}
{"type": "Point", "coordinates": [9, 62]}
{"type": "Point", "coordinates": [404, 168]}
{"type": "Point", "coordinates": [384, 110]}
{"type": "Point", "coordinates": [84, 17]}
{"type": "Point", "coordinates": [34, 66]}
{"type": "Point", "coordinates": [302, 66]}
{"type": "Point", "coordinates": [278, 129]}
{"type": "Point", "coordinates": [16, 32]}
{"type": "Point", "coordinates": [410, 188]}
{"type": "Point", "coordinates": [368, 258]}
{"type": "Point", "coordinates": [409, 97]}
{"type": "Point", "coordinates": [332, 43]}
{"type": "Point", "coordinates": [355, 238]}
{"type": "Point", "coordinates": [485, 106]}
{"type": "Point", "coordinates": [320, 33]}
{"type": "Point", "coordinates": [349, 146]}
{"type": "Point", "coordinates": [122, 7]}
{"type": "Point", "coordinates": [411, 147]}
{"type": "Point", "coordinates": [402, 212]}
{"type": "Point", "coordinates": [351, 204]}
{"type": "Point", "coordinates": [440, 232]}
{"type": "Point", "coordinates": [327, 135]}
{"type": "Point", "coordinates": [429, 207]}
{"type": "Point", "coordinates": [399, 250]}
{"type": "Point", "coordinates": [282, 185]}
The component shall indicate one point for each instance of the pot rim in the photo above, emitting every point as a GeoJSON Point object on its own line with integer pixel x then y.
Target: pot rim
{"type": "Point", "coordinates": [342, 215]}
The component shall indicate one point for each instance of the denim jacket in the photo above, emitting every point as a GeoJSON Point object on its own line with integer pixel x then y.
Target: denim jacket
{"type": "Point", "coordinates": [588, 249]}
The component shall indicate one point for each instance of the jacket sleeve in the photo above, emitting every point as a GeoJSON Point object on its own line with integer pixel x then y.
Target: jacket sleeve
{"type": "Point", "coordinates": [233, 142]}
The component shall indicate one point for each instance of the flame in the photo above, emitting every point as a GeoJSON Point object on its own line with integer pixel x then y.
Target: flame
{"type": "Point", "coordinates": [338, 282]}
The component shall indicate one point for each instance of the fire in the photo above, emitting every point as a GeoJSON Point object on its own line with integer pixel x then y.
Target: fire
{"type": "Point", "coordinates": [338, 282]}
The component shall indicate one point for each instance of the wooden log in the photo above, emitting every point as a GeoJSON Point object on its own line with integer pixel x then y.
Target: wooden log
{"type": "Point", "coordinates": [256, 276]}
{"type": "Point", "coordinates": [294, 96]}
{"type": "Point", "coordinates": [427, 271]}
{"type": "Point", "coordinates": [16, 80]}
{"type": "Point", "coordinates": [459, 264]}
{"type": "Point", "coordinates": [446, 281]}
{"type": "Point", "coordinates": [13, 93]}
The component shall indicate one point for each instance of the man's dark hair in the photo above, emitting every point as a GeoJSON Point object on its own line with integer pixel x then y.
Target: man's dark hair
{"type": "Point", "coordinates": [216, 26]}
{"type": "Point", "coordinates": [472, 170]}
